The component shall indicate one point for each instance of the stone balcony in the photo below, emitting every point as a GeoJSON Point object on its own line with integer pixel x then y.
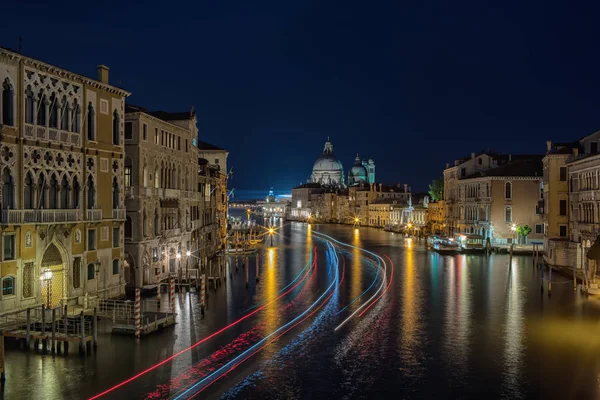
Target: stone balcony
{"type": "Point", "coordinates": [119, 214]}
{"type": "Point", "coordinates": [40, 216]}
{"type": "Point", "coordinates": [475, 200]}
{"type": "Point", "coordinates": [94, 215]}
{"type": "Point", "coordinates": [53, 135]}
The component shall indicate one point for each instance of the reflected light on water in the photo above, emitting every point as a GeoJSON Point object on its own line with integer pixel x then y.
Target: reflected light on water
{"type": "Point", "coordinates": [271, 288]}
{"type": "Point", "coordinates": [409, 243]}
{"type": "Point", "coordinates": [409, 314]}
{"type": "Point", "coordinates": [357, 268]}
{"type": "Point", "coordinates": [514, 333]}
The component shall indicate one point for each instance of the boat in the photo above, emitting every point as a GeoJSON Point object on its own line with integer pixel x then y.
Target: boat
{"type": "Point", "coordinates": [446, 246]}
{"type": "Point", "coordinates": [470, 243]}
{"type": "Point", "coordinates": [432, 239]}
{"type": "Point", "coordinates": [240, 251]}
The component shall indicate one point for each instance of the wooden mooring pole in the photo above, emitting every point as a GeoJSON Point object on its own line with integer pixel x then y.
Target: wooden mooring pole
{"type": "Point", "coordinates": [257, 262]}
{"type": "Point", "coordinates": [28, 330]}
{"type": "Point", "coordinates": [82, 333]}
{"type": "Point", "coordinates": [95, 328]}
{"type": "Point", "coordinates": [136, 312]}
{"type": "Point", "coordinates": [53, 344]}
{"type": "Point", "coordinates": [2, 370]}
{"type": "Point", "coordinates": [44, 339]}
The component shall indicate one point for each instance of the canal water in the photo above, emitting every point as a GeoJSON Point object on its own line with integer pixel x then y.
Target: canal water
{"type": "Point", "coordinates": [464, 326]}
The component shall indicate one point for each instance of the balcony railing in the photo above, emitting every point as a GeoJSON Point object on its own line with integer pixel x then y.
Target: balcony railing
{"type": "Point", "coordinates": [40, 216]}
{"type": "Point", "coordinates": [118, 214]}
{"type": "Point", "coordinates": [45, 133]}
{"type": "Point", "coordinates": [94, 215]}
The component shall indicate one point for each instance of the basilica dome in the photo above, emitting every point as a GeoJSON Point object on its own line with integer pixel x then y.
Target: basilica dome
{"type": "Point", "coordinates": [328, 170]}
{"type": "Point", "coordinates": [357, 173]}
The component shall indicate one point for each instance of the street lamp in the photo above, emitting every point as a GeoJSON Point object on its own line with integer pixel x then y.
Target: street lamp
{"type": "Point", "coordinates": [513, 228]}
{"type": "Point", "coordinates": [271, 232]}
{"type": "Point", "coordinates": [46, 276]}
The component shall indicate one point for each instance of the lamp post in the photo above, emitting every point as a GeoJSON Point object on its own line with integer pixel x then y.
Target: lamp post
{"type": "Point", "coordinates": [513, 228]}
{"type": "Point", "coordinates": [271, 232]}
{"type": "Point", "coordinates": [46, 277]}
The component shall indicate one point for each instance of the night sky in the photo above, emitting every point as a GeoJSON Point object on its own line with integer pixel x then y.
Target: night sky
{"type": "Point", "coordinates": [413, 84]}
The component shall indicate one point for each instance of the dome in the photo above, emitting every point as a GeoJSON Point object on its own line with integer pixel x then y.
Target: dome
{"type": "Point", "coordinates": [358, 172]}
{"type": "Point", "coordinates": [328, 170]}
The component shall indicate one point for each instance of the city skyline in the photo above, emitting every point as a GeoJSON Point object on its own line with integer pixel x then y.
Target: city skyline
{"type": "Point", "coordinates": [409, 86]}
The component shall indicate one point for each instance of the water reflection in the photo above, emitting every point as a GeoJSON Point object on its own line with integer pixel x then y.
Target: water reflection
{"type": "Point", "coordinates": [513, 333]}
{"type": "Point", "coordinates": [271, 287]}
{"type": "Point", "coordinates": [410, 318]}
{"type": "Point", "coordinates": [357, 269]}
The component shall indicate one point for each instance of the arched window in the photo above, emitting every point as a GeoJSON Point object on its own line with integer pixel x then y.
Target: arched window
{"type": "Point", "coordinates": [145, 174]}
{"type": "Point", "coordinates": [76, 123]}
{"type": "Point", "coordinates": [128, 227]}
{"type": "Point", "coordinates": [75, 201]}
{"type": "Point", "coordinates": [91, 273]}
{"type": "Point", "coordinates": [115, 194]}
{"type": "Point", "coordinates": [65, 193]}
{"type": "Point", "coordinates": [53, 122]}
{"type": "Point", "coordinates": [157, 178]}
{"type": "Point", "coordinates": [8, 103]}
{"type": "Point", "coordinates": [508, 190]}
{"type": "Point", "coordinates": [41, 110]}
{"type": "Point", "coordinates": [53, 193]}
{"type": "Point", "coordinates": [65, 110]}
{"type": "Point", "coordinates": [91, 118]}
{"type": "Point", "coordinates": [8, 190]}
{"type": "Point", "coordinates": [156, 227]}
{"type": "Point", "coordinates": [128, 170]}
{"type": "Point", "coordinates": [41, 190]}
{"type": "Point", "coordinates": [115, 128]}
{"type": "Point", "coordinates": [29, 106]}
{"type": "Point", "coordinates": [508, 214]}
{"type": "Point", "coordinates": [91, 193]}
{"type": "Point", "coordinates": [115, 265]}
{"type": "Point", "coordinates": [28, 192]}
{"type": "Point", "coordinates": [76, 272]}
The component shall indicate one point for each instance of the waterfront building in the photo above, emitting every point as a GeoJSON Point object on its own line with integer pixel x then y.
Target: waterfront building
{"type": "Point", "coordinates": [61, 140]}
{"type": "Point", "coordinates": [559, 250]}
{"type": "Point", "coordinates": [435, 216]}
{"type": "Point", "coordinates": [305, 198]}
{"type": "Point", "coordinates": [361, 172]}
{"type": "Point", "coordinates": [163, 205]}
{"type": "Point", "coordinates": [212, 185]}
{"type": "Point", "coordinates": [491, 195]}
{"type": "Point", "coordinates": [583, 168]}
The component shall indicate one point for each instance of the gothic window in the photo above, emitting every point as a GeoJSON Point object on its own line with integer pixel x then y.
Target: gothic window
{"type": "Point", "coordinates": [28, 280]}
{"type": "Point", "coordinates": [8, 286]}
{"type": "Point", "coordinates": [75, 193]}
{"type": "Point", "coordinates": [41, 110]}
{"type": "Point", "coordinates": [28, 192]}
{"type": "Point", "coordinates": [65, 193]}
{"type": "Point", "coordinates": [65, 114]}
{"type": "Point", "coordinates": [128, 172]}
{"type": "Point", "coordinates": [29, 106]}
{"type": "Point", "coordinates": [76, 123]}
{"type": "Point", "coordinates": [8, 190]}
{"type": "Point", "coordinates": [115, 194]}
{"type": "Point", "coordinates": [8, 103]}
{"type": "Point", "coordinates": [77, 272]}
{"type": "Point", "coordinates": [41, 189]}
{"type": "Point", "coordinates": [156, 227]}
{"type": "Point", "coordinates": [145, 176]}
{"type": "Point", "coordinates": [115, 128]}
{"type": "Point", "coordinates": [53, 111]}
{"type": "Point", "coordinates": [91, 193]}
{"type": "Point", "coordinates": [508, 190]}
{"type": "Point", "coordinates": [145, 226]}
{"type": "Point", "coordinates": [115, 267]}
{"type": "Point", "coordinates": [53, 193]}
{"type": "Point", "coordinates": [157, 178]}
{"type": "Point", "coordinates": [91, 134]}
{"type": "Point", "coordinates": [508, 214]}
{"type": "Point", "coordinates": [128, 227]}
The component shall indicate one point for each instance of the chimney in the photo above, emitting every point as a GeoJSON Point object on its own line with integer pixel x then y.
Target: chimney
{"type": "Point", "coordinates": [575, 152]}
{"type": "Point", "coordinates": [447, 165]}
{"type": "Point", "coordinates": [405, 188]}
{"type": "Point", "coordinates": [548, 145]}
{"type": "Point", "coordinates": [102, 73]}
{"type": "Point", "coordinates": [473, 155]}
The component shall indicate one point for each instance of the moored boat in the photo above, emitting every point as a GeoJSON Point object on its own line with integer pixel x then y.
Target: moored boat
{"type": "Point", "coordinates": [446, 246]}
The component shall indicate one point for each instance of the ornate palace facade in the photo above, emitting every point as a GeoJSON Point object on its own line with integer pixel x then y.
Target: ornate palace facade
{"type": "Point", "coordinates": [61, 139]}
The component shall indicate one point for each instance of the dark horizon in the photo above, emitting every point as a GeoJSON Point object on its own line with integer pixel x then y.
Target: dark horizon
{"type": "Point", "coordinates": [413, 86]}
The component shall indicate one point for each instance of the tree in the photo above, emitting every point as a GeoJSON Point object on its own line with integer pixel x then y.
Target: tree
{"type": "Point", "coordinates": [436, 189]}
{"type": "Point", "coordinates": [523, 230]}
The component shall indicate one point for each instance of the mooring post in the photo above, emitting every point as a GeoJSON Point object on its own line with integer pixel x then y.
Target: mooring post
{"type": "Point", "coordinates": [202, 293]}
{"type": "Point", "coordinates": [172, 296]}
{"type": "Point", "coordinates": [533, 259]}
{"type": "Point", "coordinates": [28, 329]}
{"type": "Point", "coordinates": [257, 261]}
{"type": "Point", "coordinates": [574, 278]}
{"type": "Point", "coordinates": [95, 328]}
{"type": "Point", "coordinates": [542, 268]}
{"type": "Point", "coordinates": [53, 345]}
{"type": "Point", "coordinates": [44, 339]}
{"type": "Point", "coordinates": [138, 294]}
{"type": "Point", "coordinates": [550, 282]}
{"type": "Point", "coordinates": [510, 256]}
{"type": "Point", "coordinates": [82, 333]}
{"type": "Point", "coordinates": [247, 267]}
{"type": "Point", "coordinates": [2, 370]}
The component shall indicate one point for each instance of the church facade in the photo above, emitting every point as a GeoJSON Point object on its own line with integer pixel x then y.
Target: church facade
{"type": "Point", "coordinates": [329, 171]}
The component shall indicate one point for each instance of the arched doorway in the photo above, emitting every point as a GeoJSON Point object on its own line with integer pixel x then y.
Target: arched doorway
{"type": "Point", "coordinates": [52, 277]}
{"type": "Point", "coordinates": [129, 271]}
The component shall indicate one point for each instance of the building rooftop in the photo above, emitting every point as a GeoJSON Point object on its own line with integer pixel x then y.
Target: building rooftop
{"type": "Point", "coordinates": [529, 166]}
{"type": "Point", "coordinates": [390, 201]}
{"type": "Point", "coordinates": [207, 146]}
{"type": "Point", "coordinates": [309, 185]}
{"type": "Point", "coordinates": [162, 115]}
